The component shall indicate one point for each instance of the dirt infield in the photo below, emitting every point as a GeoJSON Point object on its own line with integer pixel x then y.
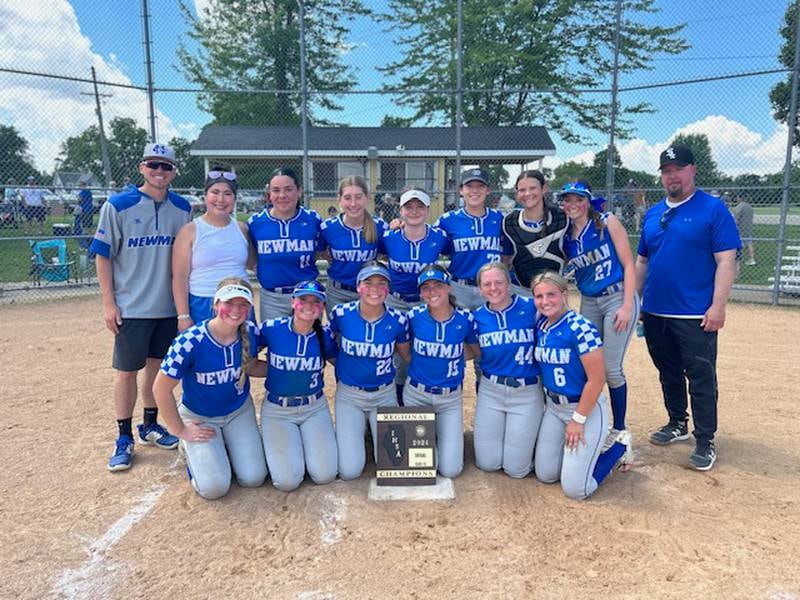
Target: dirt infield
{"type": "Point", "coordinates": [69, 528]}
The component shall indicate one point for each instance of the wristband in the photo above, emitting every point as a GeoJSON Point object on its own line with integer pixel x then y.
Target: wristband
{"type": "Point", "coordinates": [184, 317]}
{"type": "Point", "coordinates": [578, 418]}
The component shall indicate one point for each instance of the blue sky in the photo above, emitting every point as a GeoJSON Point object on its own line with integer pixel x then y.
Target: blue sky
{"type": "Point", "coordinates": [726, 38]}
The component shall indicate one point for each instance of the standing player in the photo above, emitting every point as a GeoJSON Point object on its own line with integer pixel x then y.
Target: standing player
{"type": "Point", "coordinates": [367, 332]}
{"type": "Point", "coordinates": [475, 234]}
{"type": "Point", "coordinates": [534, 232]}
{"type": "Point", "coordinates": [352, 239]}
{"type": "Point", "coordinates": [597, 249]}
{"type": "Point", "coordinates": [133, 245]}
{"type": "Point", "coordinates": [510, 405]}
{"type": "Point", "coordinates": [286, 238]}
{"type": "Point", "coordinates": [570, 354]}
{"type": "Point", "coordinates": [441, 337]}
{"type": "Point", "coordinates": [296, 421]}
{"type": "Point", "coordinates": [409, 249]}
{"type": "Point", "coordinates": [216, 419]}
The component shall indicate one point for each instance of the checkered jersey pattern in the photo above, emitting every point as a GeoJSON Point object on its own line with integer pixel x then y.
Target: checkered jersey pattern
{"type": "Point", "coordinates": [175, 362]}
{"type": "Point", "coordinates": [586, 334]}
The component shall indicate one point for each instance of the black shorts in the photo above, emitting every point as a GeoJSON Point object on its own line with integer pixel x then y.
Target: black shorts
{"type": "Point", "coordinates": [140, 339]}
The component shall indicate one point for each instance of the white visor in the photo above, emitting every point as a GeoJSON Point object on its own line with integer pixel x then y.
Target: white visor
{"type": "Point", "coordinates": [233, 290]}
{"type": "Point", "coordinates": [418, 194]}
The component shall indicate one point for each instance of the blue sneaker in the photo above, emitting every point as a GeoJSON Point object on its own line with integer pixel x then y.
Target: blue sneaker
{"type": "Point", "coordinates": [157, 435]}
{"type": "Point", "coordinates": [123, 454]}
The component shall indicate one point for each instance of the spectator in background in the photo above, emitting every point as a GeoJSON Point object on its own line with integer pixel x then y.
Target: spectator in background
{"type": "Point", "coordinates": [639, 207]}
{"type": "Point", "coordinates": [390, 208]}
{"type": "Point", "coordinates": [11, 195]}
{"type": "Point", "coordinates": [86, 204]}
{"type": "Point", "coordinates": [33, 206]}
{"type": "Point", "coordinates": [743, 215]}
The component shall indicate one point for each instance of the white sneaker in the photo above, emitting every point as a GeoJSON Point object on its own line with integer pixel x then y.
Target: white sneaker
{"type": "Point", "coordinates": [626, 440]}
{"type": "Point", "coordinates": [612, 436]}
{"type": "Point", "coordinates": [750, 263]}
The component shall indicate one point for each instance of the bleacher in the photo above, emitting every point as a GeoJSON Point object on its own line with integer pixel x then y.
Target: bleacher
{"type": "Point", "coordinates": [790, 271]}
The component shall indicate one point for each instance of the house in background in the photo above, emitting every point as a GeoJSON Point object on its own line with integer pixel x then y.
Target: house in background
{"type": "Point", "coordinates": [389, 158]}
{"type": "Point", "coordinates": [66, 182]}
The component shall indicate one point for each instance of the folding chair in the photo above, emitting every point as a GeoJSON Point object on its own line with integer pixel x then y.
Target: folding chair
{"type": "Point", "coordinates": [49, 262]}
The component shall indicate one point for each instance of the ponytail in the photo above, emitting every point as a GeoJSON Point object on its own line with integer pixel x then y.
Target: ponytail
{"type": "Point", "coordinates": [244, 338]}
{"type": "Point", "coordinates": [320, 333]}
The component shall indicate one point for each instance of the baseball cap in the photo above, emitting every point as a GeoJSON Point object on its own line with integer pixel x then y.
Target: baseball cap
{"type": "Point", "coordinates": [418, 194]}
{"type": "Point", "coordinates": [233, 290]}
{"type": "Point", "coordinates": [311, 287]}
{"type": "Point", "coordinates": [373, 268]}
{"type": "Point", "coordinates": [475, 175]}
{"type": "Point", "coordinates": [433, 275]}
{"type": "Point", "coordinates": [677, 154]}
{"type": "Point", "coordinates": [576, 187]}
{"type": "Point", "coordinates": [160, 151]}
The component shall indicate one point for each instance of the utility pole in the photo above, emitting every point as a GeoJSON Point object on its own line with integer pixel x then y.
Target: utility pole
{"type": "Point", "coordinates": [148, 65]}
{"type": "Point", "coordinates": [103, 142]}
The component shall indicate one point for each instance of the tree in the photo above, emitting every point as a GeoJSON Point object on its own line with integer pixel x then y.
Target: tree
{"type": "Point", "coordinates": [533, 56]}
{"type": "Point", "coordinates": [192, 170]}
{"type": "Point", "coordinates": [125, 143]}
{"type": "Point", "coordinates": [254, 45]}
{"type": "Point", "coordinates": [781, 94]}
{"type": "Point", "coordinates": [15, 161]}
{"type": "Point", "coordinates": [708, 174]}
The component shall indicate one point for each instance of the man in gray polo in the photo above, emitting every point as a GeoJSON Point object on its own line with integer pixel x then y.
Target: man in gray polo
{"type": "Point", "coordinates": [133, 245]}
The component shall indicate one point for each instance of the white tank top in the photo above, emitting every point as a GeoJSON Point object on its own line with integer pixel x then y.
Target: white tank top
{"type": "Point", "coordinates": [217, 253]}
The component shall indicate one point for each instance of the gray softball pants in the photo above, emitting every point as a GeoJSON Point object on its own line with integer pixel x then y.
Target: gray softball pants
{"type": "Point", "coordinates": [507, 422]}
{"type": "Point", "coordinates": [449, 426]}
{"type": "Point", "coordinates": [237, 445]}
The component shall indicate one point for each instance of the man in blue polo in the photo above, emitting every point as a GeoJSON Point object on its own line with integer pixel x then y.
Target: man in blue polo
{"type": "Point", "coordinates": [685, 268]}
{"type": "Point", "coordinates": [133, 245]}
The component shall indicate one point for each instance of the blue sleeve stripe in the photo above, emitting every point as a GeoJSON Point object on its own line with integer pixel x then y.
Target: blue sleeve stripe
{"type": "Point", "coordinates": [100, 248]}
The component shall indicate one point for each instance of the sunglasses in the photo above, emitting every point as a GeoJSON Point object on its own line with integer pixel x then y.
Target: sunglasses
{"type": "Point", "coordinates": [157, 164]}
{"type": "Point", "coordinates": [667, 216]}
{"type": "Point", "coordinates": [222, 175]}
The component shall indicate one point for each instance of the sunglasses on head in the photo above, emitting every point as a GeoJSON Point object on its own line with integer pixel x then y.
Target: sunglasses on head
{"type": "Point", "coordinates": [222, 175]}
{"type": "Point", "coordinates": [157, 164]}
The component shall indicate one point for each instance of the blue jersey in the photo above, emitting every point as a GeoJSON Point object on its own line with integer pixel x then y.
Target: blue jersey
{"type": "Point", "coordinates": [474, 241]}
{"type": "Point", "coordinates": [437, 347]}
{"type": "Point", "coordinates": [86, 204]}
{"type": "Point", "coordinates": [349, 251]}
{"type": "Point", "coordinates": [295, 362]}
{"type": "Point", "coordinates": [366, 347]}
{"type": "Point", "coordinates": [209, 372]}
{"type": "Point", "coordinates": [507, 338]}
{"type": "Point", "coordinates": [593, 258]}
{"type": "Point", "coordinates": [286, 249]}
{"type": "Point", "coordinates": [559, 348]}
{"type": "Point", "coordinates": [680, 248]}
{"type": "Point", "coordinates": [407, 258]}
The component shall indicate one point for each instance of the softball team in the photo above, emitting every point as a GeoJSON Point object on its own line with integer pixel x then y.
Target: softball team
{"type": "Point", "coordinates": [216, 420]}
{"type": "Point", "coordinates": [598, 253]}
{"type": "Point", "coordinates": [570, 354]}
{"type": "Point", "coordinates": [295, 419]}
{"type": "Point", "coordinates": [441, 337]}
{"type": "Point", "coordinates": [509, 407]}
{"type": "Point", "coordinates": [367, 334]}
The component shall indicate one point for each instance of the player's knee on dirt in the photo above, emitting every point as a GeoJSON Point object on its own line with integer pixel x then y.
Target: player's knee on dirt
{"type": "Point", "coordinates": [576, 489]}
{"type": "Point", "coordinates": [211, 489]}
{"type": "Point", "coordinates": [252, 478]}
{"type": "Point", "coordinates": [546, 473]}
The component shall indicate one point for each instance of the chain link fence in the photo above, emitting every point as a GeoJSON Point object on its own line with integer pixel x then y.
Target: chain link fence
{"type": "Point", "coordinates": [610, 97]}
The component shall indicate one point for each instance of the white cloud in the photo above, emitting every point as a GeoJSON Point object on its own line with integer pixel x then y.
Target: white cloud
{"type": "Point", "coordinates": [44, 36]}
{"type": "Point", "coordinates": [735, 148]}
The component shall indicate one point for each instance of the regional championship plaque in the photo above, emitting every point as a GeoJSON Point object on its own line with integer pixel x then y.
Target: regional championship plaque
{"type": "Point", "coordinates": [406, 446]}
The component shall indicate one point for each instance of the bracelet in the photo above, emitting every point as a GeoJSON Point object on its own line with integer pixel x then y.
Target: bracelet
{"type": "Point", "coordinates": [578, 418]}
{"type": "Point", "coordinates": [184, 317]}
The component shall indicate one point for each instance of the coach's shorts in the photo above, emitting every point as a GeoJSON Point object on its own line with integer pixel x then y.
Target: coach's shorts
{"type": "Point", "coordinates": [35, 213]}
{"type": "Point", "coordinates": [140, 339]}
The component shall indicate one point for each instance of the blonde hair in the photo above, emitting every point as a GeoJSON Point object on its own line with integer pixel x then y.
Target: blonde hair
{"type": "Point", "coordinates": [244, 337]}
{"type": "Point", "coordinates": [502, 267]}
{"type": "Point", "coordinates": [549, 277]}
{"type": "Point", "coordinates": [370, 232]}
